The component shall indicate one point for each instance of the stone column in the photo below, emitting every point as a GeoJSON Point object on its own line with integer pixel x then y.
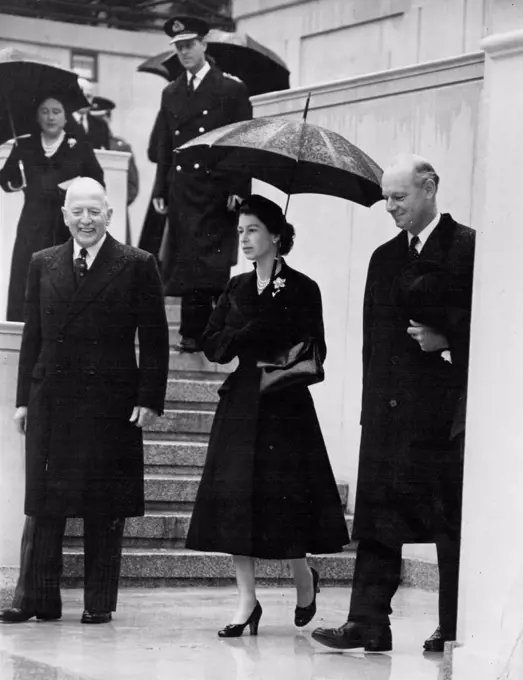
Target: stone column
{"type": "Point", "coordinates": [491, 585]}
{"type": "Point", "coordinates": [12, 463]}
{"type": "Point", "coordinates": [115, 165]}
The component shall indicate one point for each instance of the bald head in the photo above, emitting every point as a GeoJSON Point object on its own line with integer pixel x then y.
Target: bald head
{"type": "Point", "coordinates": [409, 185]}
{"type": "Point", "coordinates": [86, 211]}
{"type": "Point", "coordinates": [87, 88]}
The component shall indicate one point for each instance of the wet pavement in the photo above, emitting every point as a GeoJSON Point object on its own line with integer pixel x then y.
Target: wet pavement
{"type": "Point", "coordinates": [170, 634]}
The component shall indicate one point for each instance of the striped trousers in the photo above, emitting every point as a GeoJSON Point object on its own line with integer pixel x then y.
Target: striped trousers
{"type": "Point", "coordinates": [41, 563]}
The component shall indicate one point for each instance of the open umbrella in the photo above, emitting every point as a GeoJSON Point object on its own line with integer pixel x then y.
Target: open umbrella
{"type": "Point", "coordinates": [236, 53]}
{"type": "Point", "coordinates": [294, 156]}
{"type": "Point", "coordinates": [25, 79]}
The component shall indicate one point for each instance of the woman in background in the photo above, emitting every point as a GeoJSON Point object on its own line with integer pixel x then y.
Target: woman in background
{"type": "Point", "coordinates": [267, 489]}
{"type": "Point", "coordinates": [50, 156]}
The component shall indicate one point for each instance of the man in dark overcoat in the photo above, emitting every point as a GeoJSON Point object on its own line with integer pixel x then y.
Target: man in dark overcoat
{"type": "Point", "coordinates": [199, 200]}
{"type": "Point", "coordinates": [414, 382]}
{"type": "Point", "coordinates": [82, 401]}
{"type": "Point", "coordinates": [88, 126]}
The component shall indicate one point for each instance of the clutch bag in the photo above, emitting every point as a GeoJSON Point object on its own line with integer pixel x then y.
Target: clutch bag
{"type": "Point", "coordinates": [298, 365]}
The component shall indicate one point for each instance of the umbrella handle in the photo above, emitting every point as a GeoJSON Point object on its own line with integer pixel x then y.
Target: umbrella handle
{"type": "Point", "coordinates": [305, 113]}
{"type": "Point", "coordinates": [23, 185]}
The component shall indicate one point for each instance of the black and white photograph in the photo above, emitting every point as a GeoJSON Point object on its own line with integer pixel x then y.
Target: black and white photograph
{"type": "Point", "coordinates": [260, 339]}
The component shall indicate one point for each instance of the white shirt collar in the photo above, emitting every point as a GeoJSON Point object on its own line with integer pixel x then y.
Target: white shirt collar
{"type": "Point", "coordinates": [92, 251]}
{"type": "Point", "coordinates": [425, 233]}
{"type": "Point", "coordinates": [200, 75]}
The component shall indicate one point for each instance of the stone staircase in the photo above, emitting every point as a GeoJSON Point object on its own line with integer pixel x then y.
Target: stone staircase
{"type": "Point", "coordinates": [175, 448]}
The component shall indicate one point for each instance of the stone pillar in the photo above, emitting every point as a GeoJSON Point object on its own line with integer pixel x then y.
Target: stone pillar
{"type": "Point", "coordinates": [491, 585]}
{"type": "Point", "coordinates": [114, 164]}
{"type": "Point", "coordinates": [12, 463]}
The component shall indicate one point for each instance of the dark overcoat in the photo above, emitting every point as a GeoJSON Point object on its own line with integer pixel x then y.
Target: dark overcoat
{"type": "Point", "coordinates": [79, 378]}
{"type": "Point", "coordinates": [410, 471]}
{"type": "Point", "coordinates": [267, 488]}
{"type": "Point", "coordinates": [202, 240]}
{"type": "Point", "coordinates": [41, 223]}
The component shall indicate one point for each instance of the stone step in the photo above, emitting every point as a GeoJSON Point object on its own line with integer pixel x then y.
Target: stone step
{"type": "Point", "coordinates": [197, 363]}
{"type": "Point", "coordinates": [177, 492]}
{"type": "Point", "coordinates": [167, 529]}
{"type": "Point", "coordinates": [178, 566]}
{"type": "Point", "coordinates": [174, 457]}
{"type": "Point", "coordinates": [192, 390]}
{"type": "Point", "coordinates": [187, 421]}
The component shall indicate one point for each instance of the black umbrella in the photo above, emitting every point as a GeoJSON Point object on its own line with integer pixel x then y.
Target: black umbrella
{"type": "Point", "coordinates": [25, 80]}
{"type": "Point", "coordinates": [238, 54]}
{"type": "Point", "coordinates": [294, 156]}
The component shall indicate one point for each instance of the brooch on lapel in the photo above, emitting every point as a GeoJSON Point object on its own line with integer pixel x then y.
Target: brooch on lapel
{"type": "Point", "coordinates": [278, 284]}
{"type": "Point", "coordinates": [71, 142]}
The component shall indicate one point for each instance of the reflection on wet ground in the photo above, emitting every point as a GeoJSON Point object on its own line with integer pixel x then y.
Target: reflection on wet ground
{"type": "Point", "coordinates": [170, 634]}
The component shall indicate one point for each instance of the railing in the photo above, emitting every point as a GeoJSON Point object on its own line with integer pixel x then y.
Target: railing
{"type": "Point", "coordinates": [133, 16]}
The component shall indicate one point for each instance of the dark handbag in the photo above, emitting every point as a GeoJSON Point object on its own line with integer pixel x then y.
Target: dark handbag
{"type": "Point", "coordinates": [298, 365]}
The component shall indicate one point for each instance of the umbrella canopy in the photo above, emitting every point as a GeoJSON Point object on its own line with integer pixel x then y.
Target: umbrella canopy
{"type": "Point", "coordinates": [25, 80]}
{"type": "Point", "coordinates": [236, 53]}
{"type": "Point", "coordinates": [269, 148]}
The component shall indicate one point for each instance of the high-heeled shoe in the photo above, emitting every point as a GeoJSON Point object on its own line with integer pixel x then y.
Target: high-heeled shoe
{"type": "Point", "coordinates": [304, 615]}
{"type": "Point", "coordinates": [236, 629]}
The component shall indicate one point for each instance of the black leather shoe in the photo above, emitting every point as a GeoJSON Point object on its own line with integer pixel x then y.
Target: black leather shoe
{"type": "Point", "coordinates": [17, 615]}
{"type": "Point", "coordinates": [96, 617]}
{"type": "Point", "coordinates": [303, 615]}
{"type": "Point", "coordinates": [354, 635]}
{"type": "Point", "coordinates": [436, 642]}
{"type": "Point", "coordinates": [188, 345]}
{"type": "Point", "coordinates": [234, 630]}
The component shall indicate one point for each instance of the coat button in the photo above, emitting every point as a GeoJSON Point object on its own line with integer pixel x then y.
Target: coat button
{"type": "Point", "coordinates": [178, 167]}
{"type": "Point", "coordinates": [395, 360]}
{"type": "Point", "coordinates": [92, 371]}
{"type": "Point", "coordinates": [205, 112]}
{"type": "Point", "coordinates": [196, 166]}
{"type": "Point", "coordinates": [393, 403]}
{"type": "Point", "coordinates": [60, 340]}
{"type": "Point", "coordinates": [177, 132]}
{"type": "Point", "coordinates": [200, 130]}
{"type": "Point", "coordinates": [58, 369]}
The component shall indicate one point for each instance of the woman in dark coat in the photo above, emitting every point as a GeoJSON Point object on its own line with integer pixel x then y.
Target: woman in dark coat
{"type": "Point", "coordinates": [267, 489]}
{"type": "Point", "coordinates": [50, 157]}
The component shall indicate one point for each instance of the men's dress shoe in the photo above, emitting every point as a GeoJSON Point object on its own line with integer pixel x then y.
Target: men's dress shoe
{"type": "Point", "coordinates": [354, 635]}
{"type": "Point", "coordinates": [96, 617]}
{"type": "Point", "coordinates": [436, 642]}
{"type": "Point", "coordinates": [188, 345]}
{"type": "Point", "coordinates": [17, 615]}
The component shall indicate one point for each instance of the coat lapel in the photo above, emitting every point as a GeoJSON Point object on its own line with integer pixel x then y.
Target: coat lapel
{"type": "Point", "coordinates": [438, 244]}
{"type": "Point", "coordinates": [199, 99]}
{"type": "Point", "coordinates": [109, 262]}
{"type": "Point", "coordinates": [177, 98]}
{"type": "Point", "coordinates": [60, 266]}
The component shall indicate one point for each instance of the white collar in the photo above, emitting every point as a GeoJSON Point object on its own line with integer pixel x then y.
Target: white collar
{"type": "Point", "coordinates": [92, 251]}
{"type": "Point", "coordinates": [200, 75]}
{"type": "Point", "coordinates": [426, 232]}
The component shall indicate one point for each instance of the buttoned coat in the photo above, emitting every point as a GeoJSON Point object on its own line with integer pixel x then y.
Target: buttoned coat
{"type": "Point", "coordinates": [267, 488]}
{"type": "Point", "coordinates": [202, 242]}
{"type": "Point", "coordinates": [410, 470]}
{"type": "Point", "coordinates": [79, 377]}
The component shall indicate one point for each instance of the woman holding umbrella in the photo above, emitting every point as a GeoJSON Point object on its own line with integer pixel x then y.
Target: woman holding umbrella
{"type": "Point", "coordinates": [267, 489]}
{"type": "Point", "coordinates": [38, 165]}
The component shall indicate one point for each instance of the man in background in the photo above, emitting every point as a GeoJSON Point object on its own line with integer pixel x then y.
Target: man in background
{"type": "Point", "coordinates": [200, 202]}
{"type": "Point", "coordinates": [95, 129]}
{"type": "Point", "coordinates": [102, 108]}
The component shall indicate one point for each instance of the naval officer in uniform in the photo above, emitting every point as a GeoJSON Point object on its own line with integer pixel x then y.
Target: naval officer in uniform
{"type": "Point", "coordinates": [199, 201]}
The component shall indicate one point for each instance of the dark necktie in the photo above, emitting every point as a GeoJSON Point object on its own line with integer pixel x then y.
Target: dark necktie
{"type": "Point", "coordinates": [80, 266]}
{"type": "Point", "coordinates": [190, 84]}
{"type": "Point", "coordinates": [413, 253]}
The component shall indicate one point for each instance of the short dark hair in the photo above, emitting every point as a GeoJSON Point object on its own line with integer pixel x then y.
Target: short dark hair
{"type": "Point", "coordinates": [424, 171]}
{"type": "Point", "coordinates": [272, 217]}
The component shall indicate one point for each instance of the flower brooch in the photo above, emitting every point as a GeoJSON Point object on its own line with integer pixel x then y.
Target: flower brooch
{"type": "Point", "coordinates": [71, 142]}
{"type": "Point", "coordinates": [278, 284]}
